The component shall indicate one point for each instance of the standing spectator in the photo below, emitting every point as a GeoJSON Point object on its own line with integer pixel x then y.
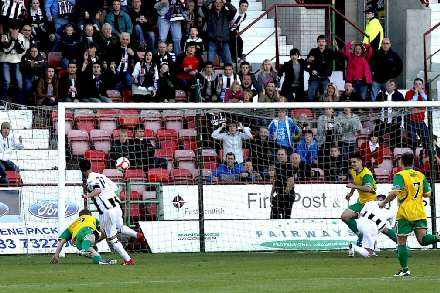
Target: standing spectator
{"type": "Point", "coordinates": [163, 56]}
{"type": "Point", "coordinates": [372, 152]}
{"type": "Point", "coordinates": [320, 66]}
{"type": "Point", "coordinates": [270, 94]}
{"type": "Point", "coordinates": [307, 149]}
{"type": "Point", "coordinates": [29, 40]}
{"type": "Point", "coordinates": [415, 123]}
{"type": "Point", "coordinates": [125, 62]}
{"type": "Point", "coordinates": [326, 132]}
{"type": "Point", "coordinates": [88, 12]}
{"type": "Point", "coordinates": [12, 48]}
{"type": "Point", "coordinates": [196, 40]}
{"type": "Point", "coordinates": [69, 84]}
{"type": "Point", "coordinates": [191, 17]}
{"type": "Point", "coordinates": [267, 74]}
{"type": "Point", "coordinates": [348, 126]}
{"type": "Point", "coordinates": [282, 195]}
{"type": "Point", "coordinates": [233, 139]}
{"type": "Point", "coordinates": [69, 45]}
{"type": "Point", "coordinates": [236, 42]}
{"type": "Point", "coordinates": [262, 151]}
{"type": "Point", "coordinates": [358, 68]}
{"type": "Point", "coordinates": [390, 120]}
{"type": "Point", "coordinates": [234, 94]}
{"type": "Point", "coordinates": [218, 18]}
{"type": "Point", "coordinates": [226, 79]}
{"type": "Point", "coordinates": [228, 172]}
{"type": "Point", "coordinates": [108, 44]}
{"type": "Point", "coordinates": [33, 65]}
{"type": "Point", "coordinates": [7, 144]}
{"type": "Point", "coordinates": [188, 66]}
{"type": "Point", "coordinates": [170, 18]}
{"type": "Point", "coordinates": [13, 11]}
{"type": "Point", "coordinates": [349, 94]}
{"type": "Point", "coordinates": [293, 70]}
{"type": "Point", "coordinates": [374, 30]}
{"type": "Point", "coordinates": [145, 78]}
{"type": "Point", "coordinates": [331, 94]}
{"type": "Point", "coordinates": [386, 64]}
{"type": "Point", "coordinates": [47, 89]}
{"type": "Point", "coordinates": [119, 20]}
{"type": "Point", "coordinates": [59, 12]}
{"type": "Point", "coordinates": [144, 21]}
{"type": "Point", "coordinates": [40, 27]}
{"type": "Point", "coordinates": [249, 174]}
{"type": "Point", "coordinates": [335, 168]}
{"type": "Point", "coordinates": [94, 89]}
{"type": "Point", "coordinates": [282, 131]}
{"type": "Point", "coordinates": [167, 84]}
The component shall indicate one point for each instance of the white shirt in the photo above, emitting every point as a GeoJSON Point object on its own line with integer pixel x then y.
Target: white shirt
{"type": "Point", "coordinates": [233, 143]}
{"type": "Point", "coordinates": [107, 199]}
{"type": "Point", "coordinates": [381, 217]}
{"type": "Point", "coordinates": [7, 144]}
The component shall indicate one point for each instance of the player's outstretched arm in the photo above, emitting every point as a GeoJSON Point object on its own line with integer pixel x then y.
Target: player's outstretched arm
{"type": "Point", "coordinates": [56, 257]}
{"type": "Point", "coordinates": [391, 196]}
{"type": "Point", "coordinates": [92, 194]}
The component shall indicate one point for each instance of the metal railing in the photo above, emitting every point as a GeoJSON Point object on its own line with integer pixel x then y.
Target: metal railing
{"type": "Point", "coordinates": [427, 57]}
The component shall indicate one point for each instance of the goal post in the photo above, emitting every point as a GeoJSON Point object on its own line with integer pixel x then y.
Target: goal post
{"type": "Point", "coordinates": [202, 213]}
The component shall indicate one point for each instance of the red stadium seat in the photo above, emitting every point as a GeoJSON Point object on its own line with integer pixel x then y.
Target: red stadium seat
{"type": "Point", "coordinates": [188, 138]}
{"type": "Point", "coordinates": [173, 119]}
{"type": "Point", "coordinates": [149, 134]}
{"type": "Point", "coordinates": [54, 59]}
{"type": "Point", "coordinates": [116, 134]}
{"type": "Point", "coordinates": [134, 195]}
{"type": "Point", "coordinates": [151, 209]}
{"type": "Point", "coordinates": [68, 120]}
{"type": "Point", "coordinates": [169, 145]}
{"type": "Point", "coordinates": [107, 119]}
{"type": "Point", "coordinates": [307, 112]}
{"type": "Point", "coordinates": [190, 119]}
{"type": "Point", "coordinates": [85, 119]}
{"type": "Point", "coordinates": [205, 173]}
{"type": "Point", "coordinates": [96, 155]}
{"type": "Point", "coordinates": [185, 159]}
{"type": "Point", "coordinates": [209, 155]}
{"type": "Point", "coordinates": [182, 176]}
{"type": "Point", "coordinates": [134, 174]}
{"type": "Point", "coordinates": [98, 166]}
{"type": "Point", "coordinates": [210, 165]}
{"type": "Point", "coordinates": [152, 119]}
{"type": "Point", "coordinates": [158, 175]}
{"type": "Point", "coordinates": [166, 135]}
{"type": "Point", "coordinates": [167, 154]}
{"type": "Point", "coordinates": [181, 97]}
{"type": "Point", "coordinates": [113, 174]}
{"type": "Point", "coordinates": [135, 210]}
{"type": "Point", "coordinates": [149, 194]}
{"type": "Point", "coordinates": [79, 142]}
{"type": "Point", "coordinates": [387, 153]}
{"type": "Point", "coordinates": [101, 139]}
{"type": "Point", "coordinates": [114, 95]}
{"type": "Point", "coordinates": [14, 178]}
{"type": "Point", "coordinates": [382, 175]}
{"type": "Point", "coordinates": [129, 118]}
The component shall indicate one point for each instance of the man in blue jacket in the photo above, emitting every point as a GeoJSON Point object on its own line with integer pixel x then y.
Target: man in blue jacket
{"type": "Point", "coordinates": [307, 148]}
{"type": "Point", "coordinates": [282, 130]}
{"type": "Point", "coordinates": [119, 20]}
{"type": "Point", "coordinates": [228, 172]}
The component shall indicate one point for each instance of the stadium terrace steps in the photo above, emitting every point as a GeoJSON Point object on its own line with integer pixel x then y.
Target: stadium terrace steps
{"type": "Point", "coordinates": [33, 139]}
{"type": "Point", "coordinates": [35, 159]}
{"type": "Point", "coordinates": [50, 177]}
{"type": "Point", "coordinates": [19, 119]}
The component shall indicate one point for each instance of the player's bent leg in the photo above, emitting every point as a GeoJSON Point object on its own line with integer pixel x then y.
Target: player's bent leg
{"type": "Point", "coordinates": [391, 233]}
{"type": "Point", "coordinates": [117, 246]}
{"type": "Point", "coordinates": [349, 216]}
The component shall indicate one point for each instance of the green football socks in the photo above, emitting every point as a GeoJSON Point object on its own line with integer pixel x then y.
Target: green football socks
{"type": "Point", "coordinates": [353, 226]}
{"type": "Point", "coordinates": [429, 239]}
{"type": "Point", "coordinates": [402, 252]}
{"type": "Point", "coordinates": [391, 233]}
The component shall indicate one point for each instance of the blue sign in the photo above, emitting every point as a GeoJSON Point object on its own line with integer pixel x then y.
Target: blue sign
{"type": "Point", "coordinates": [48, 209]}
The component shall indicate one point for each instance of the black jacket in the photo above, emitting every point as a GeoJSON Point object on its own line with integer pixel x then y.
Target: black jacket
{"type": "Point", "coordinates": [323, 63]}
{"type": "Point", "coordinates": [217, 23]}
{"type": "Point", "coordinates": [289, 77]}
{"type": "Point", "coordinates": [385, 66]}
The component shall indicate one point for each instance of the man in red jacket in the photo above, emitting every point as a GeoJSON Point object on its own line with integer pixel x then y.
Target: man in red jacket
{"type": "Point", "coordinates": [415, 122]}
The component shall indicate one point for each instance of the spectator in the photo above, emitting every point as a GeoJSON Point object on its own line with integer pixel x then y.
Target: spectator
{"type": "Point", "coordinates": [170, 17]}
{"type": "Point", "coordinates": [270, 94]}
{"type": "Point", "coordinates": [301, 171]}
{"type": "Point", "coordinates": [196, 40]}
{"type": "Point", "coordinates": [358, 69]}
{"type": "Point", "coordinates": [123, 147]}
{"type": "Point", "coordinates": [7, 144]}
{"type": "Point", "coordinates": [227, 172]}
{"type": "Point", "coordinates": [326, 133]}
{"type": "Point", "coordinates": [94, 89]}
{"type": "Point", "coordinates": [59, 12]}
{"type": "Point", "coordinates": [69, 89]}
{"type": "Point", "coordinates": [163, 56]}
{"type": "Point", "coordinates": [424, 161]}
{"type": "Point", "coordinates": [348, 126]}
{"type": "Point", "coordinates": [39, 23]}
{"type": "Point", "coordinates": [191, 17]}
{"type": "Point", "coordinates": [111, 77]}
{"type": "Point", "coordinates": [415, 122]}
{"type": "Point", "coordinates": [248, 174]}
{"type": "Point", "coordinates": [217, 28]}
{"type": "Point", "coordinates": [119, 20]}
{"type": "Point", "coordinates": [12, 48]}
{"type": "Point", "coordinates": [89, 58]}
{"type": "Point", "coordinates": [335, 168]}
{"type": "Point", "coordinates": [170, 50]}
{"type": "Point", "coordinates": [88, 38]}
{"type": "Point", "coordinates": [29, 40]}
{"type": "Point", "coordinates": [236, 42]}
{"type": "Point", "coordinates": [188, 66]}
{"type": "Point", "coordinates": [372, 152]}
{"type": "Point", "coordinates": [69, 45]}
{"type": "Point", "coordinates": [145, 79]}
{"type": "Point", "coordinates": [145, 21]}
{"type": "Point", "coordinates": [247, 85]}
{"type": "Point", "coordinates": [208, 83]}
{"type": "Point", "coordinates": [307, 149]}
{"type": "Point", "coordinates": [282, 131]}
{"type": "Point", "coordinates": [88, 12]}
{"type": "Point", "coordinates": [226, 79]}
{"type": "Point", "coordinates": [282, 195]}
{"type": "Point", "coordinates": [320, 66]}
{"type": "Point", "coordinates": [167, 84]}
{"type": "Point", "coordinates": [267, 74]}
{"type": "Point", "coordinates": [33, 65]}
{"type": "Point", "coordinates": [13, 11]}
{"type": "Point", "coordinates": [143, 150]}
{"type": "Point", "coordinates": [349, 95]}
{"type": "Point", "coordinates": [47, 89]}
{"type": "Point", "coordinates": [390, 120]}
{"type": "Point", "coordinates": [108, 44]}
{"type": "Point", "coordinates": [385, 65]}
{"type": "Point", "coordinates": [331, 94]}
{"type": "Point", "coordinates": [262, 151]}
{"type": "Point", "coordinates": [233, 140]}
{"type": "Point", "coordinates": [373, 30]}
{"type": "Point", "coordinates": [245, 69]}
{"type": "Point", "coordinates": [293, 70]}
{"type": "Point", "coordinates": [125, 62]}
{"type": "Point", "coordinates": [234, 94]}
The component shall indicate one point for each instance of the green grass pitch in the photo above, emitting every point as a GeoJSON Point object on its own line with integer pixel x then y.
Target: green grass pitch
{"type": "Point", "coordinates": [223, 272]}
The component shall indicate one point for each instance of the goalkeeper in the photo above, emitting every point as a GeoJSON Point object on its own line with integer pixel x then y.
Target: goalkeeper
{"type": "Point", "coordinates": [84, 234]}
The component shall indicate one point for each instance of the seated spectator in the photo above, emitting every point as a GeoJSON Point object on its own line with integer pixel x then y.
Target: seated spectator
{"type": "Point", "coordinates": [347, 127]}
{"type": "Point", "coordinates": [7, 144]}
{"type": "Point", "coordinates": [163, 56]}
{"type": "Point", "coordinates": [282, 131]}
{"type": "Point", "coordinates": [69, 89]}
{"type": "Point", "coordinates": [208, 83]}
{"type": "Point", "coordinates": [267, 74]}
{"type": "Point", "coordinates": [125, 61]}
{"type": "Point", "coordinates": [111, 77]}
{"type": "Point", "coordinates": [88, 13]}
{"type": "Point", "coordinates": [170, 50]}
{"type": "Point", "coordinates": [248, 97]}
{"type": "Point", "coordinates": [33, 65]}
{"type": "Point", "coordinates": [144, 150]}
{"type": "Point", "coordinates": [372, 152]}
{"type": "Point", "coordinates": [335, 168]}
{"type": "Point", "coordinates": [196, 40]}
{"type": "Point", "coordinates": [233, 139]}
{"type": "Point", "coordinates": [89, 58]}
{"type": "Point", "coordinates": [326, 132]}
{"type": "Point", "coordinates": [234, 94]}
{"type": "Point", "coordinates": [28, 38]}
{"type": "Point", "coordinates": [247, 85]}
{"type": "Point", "coordinates": [59, 13]}
{"type": "Point", "coordinates": [424, 161]}
{"type": "Point", "coordinates": [249, 175]}
{"type": "Point", "coordinates": [94, 89]}
{"type": "Point", "coordinates": [69, 45]}
{"type": "Point", "coordinates": [245, 70]}
{"type": "Point", "coordinates": [166, 85]}
{"type": "Point", "coordinates": [293, 70]}
{"type": "Point", "coordinates": [270, 94]}
{"type": "Point", "coordinates": [227, 172]}
{"type": "Point", "coordinates": [188, 66]}
{"type": "Point", "coordinates": [145, 79]}
{"type": "Point", "coordinates": [47, 89]}
{"type": "Point", "coordinates": [262, 151]}
{"type": "Point", "coordinates": [119, 20]}
{"type": "Point", "coordinates": [89, 37]}
{"type": "Point", "coordinates": [123, 147]}
{"type": "Point", "coordinates": [331, 94]}
{"type": "Point", "coordinates": [349, 94]}
{"type": "Point", "coordinates": [226, 79]}
{"type": "Point", "coordinates": [144, 20]}
{"type": "Point", "coordinates": [307, 148]}
{"type": "Point", "coordinates": [108, 45]}
{"type": "Point", "coordinates": [301, 171]}
{"type": "Point", "coordinates": [358, 68]}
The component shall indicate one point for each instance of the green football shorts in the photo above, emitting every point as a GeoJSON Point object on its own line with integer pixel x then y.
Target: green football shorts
{"type": "Point", "coordinates": [405, 227]}
{"type": "Point", "coordinates": [357, 207]}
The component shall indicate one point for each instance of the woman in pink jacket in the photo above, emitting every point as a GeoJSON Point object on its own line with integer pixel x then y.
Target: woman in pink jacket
{"type": "Point", "coordinates": [358, 69]}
